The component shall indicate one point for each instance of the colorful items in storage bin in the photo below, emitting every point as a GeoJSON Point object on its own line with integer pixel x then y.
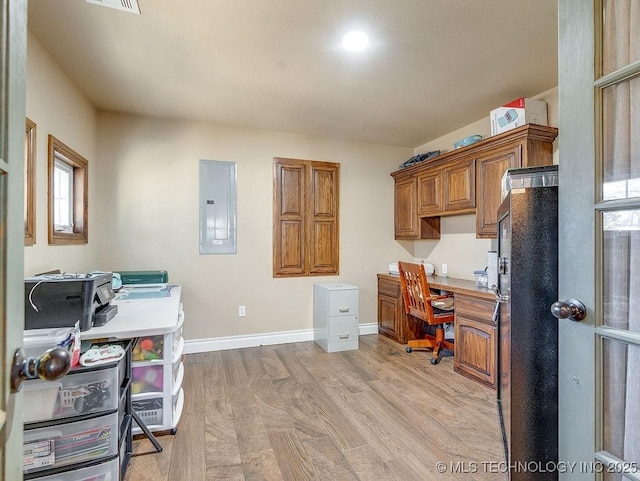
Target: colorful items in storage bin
{"type": "Point", "coordinates": [148, 348]}
{"type": "Point", "coordinates": [147, 379]}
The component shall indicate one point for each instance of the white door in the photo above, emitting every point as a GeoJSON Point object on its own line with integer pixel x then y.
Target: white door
{"type": "Point", "coordinates": [599, 145]}
{"type": "Point", "coordinates": [12, 99]}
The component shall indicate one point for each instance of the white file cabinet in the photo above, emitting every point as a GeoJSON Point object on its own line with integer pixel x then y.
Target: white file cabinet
{"type": "Point", "coordinates": [335, 316]}
{"type": "Point", "coordinates": [157, 374]}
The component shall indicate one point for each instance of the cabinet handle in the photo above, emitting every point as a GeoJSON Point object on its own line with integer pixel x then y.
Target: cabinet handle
{"type": "Point", "coordinates": [343, 336]}
{"type": "Point", "coordinates": [343, 309]}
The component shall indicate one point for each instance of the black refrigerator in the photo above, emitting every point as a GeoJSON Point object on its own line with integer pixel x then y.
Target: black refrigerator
{"type": "Point", "coordinates": [527, 332]}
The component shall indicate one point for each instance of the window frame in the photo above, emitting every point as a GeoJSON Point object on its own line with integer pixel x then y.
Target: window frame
{"type": "Point", "coordinates": [30, 183]}
{"type": "Point", "coordinates": [58, 151]}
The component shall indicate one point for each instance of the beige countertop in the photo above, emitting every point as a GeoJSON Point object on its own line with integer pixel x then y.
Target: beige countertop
{"type": "Point", "coordinates": [452, 284]}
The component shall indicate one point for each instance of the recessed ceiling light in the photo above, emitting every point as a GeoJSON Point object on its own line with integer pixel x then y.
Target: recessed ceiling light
{"type": "Point", "coordinates": [355, 41]}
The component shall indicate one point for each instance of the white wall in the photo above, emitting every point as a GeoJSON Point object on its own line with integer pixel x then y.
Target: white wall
{"type": "Point", "coordinates": [148, 170]}
{"type": "Point", "coordinates": [143, 208]}
{"type": "Point", "coordinates": [458, 246]}
{"type": "Point", "coordinates": [58, 108]}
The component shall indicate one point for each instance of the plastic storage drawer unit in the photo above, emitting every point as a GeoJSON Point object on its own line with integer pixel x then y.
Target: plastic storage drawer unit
{"type": "Point", "coordinates": [100, 472]}
{"type": "Point", "coordinates": [70, 443]}
{"type": "Point", "coordinates": [76, 393]}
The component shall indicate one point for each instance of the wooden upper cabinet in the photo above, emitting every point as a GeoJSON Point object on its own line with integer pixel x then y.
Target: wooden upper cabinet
{"type": "Point", "coordinates": [430, 192]}
{"type": "Point", "coordinates": [459, 186]}
{"type": "Point", "coordinates": [407, 222]}
{"type": "Point", "coordinates": [491, 168]}
{"type": "Point", "coordinates": [305, 218]}
{"type": "Point", "coordinates": [466, 180]}
{"type": "Point", "coordinates": [405, 208]}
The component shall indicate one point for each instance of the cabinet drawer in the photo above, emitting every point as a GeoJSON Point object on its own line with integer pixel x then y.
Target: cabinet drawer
{"type": "Point", "coordinates": [74, 394]}
{"type": "Point", "coordinates": [343, 303]}
{"type": "Point", "coordinates": [100, 472]}
{"type": "Point", "coordinates": [70, 443]}
{"type": "Point", "coordinates": [390, 288]}
{"type": "Point", "coordinates": [343, 329]}
{"type": "Point", "coordinates": [475, 308]}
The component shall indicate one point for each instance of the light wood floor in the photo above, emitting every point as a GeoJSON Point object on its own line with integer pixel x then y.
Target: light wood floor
{"type": "Point", "coordinates": [293, 412]}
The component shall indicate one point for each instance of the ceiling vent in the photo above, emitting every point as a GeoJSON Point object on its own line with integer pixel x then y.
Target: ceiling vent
{"type": "Point", "coordinates": [130, 6]}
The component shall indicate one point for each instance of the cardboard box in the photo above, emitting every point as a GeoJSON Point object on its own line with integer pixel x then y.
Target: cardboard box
{"type": "Point", "coordinates": [517, 113]}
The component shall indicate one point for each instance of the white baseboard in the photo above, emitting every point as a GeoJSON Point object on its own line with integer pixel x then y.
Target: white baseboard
{"type": "Point", "coordinates": [238, 342]}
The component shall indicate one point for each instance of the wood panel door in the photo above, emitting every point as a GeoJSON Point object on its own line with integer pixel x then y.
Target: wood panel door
{"type": "Point", "coordinates": [491, 167]}
{"type": "Point", "coordinates": [322, 218]}
{"type": "Point", "coordinates": [460, 186]}
{"type": "Point", "coordinates": [430, 192]}
{"type": "Point", "coordinates": [405, 212]}
{"type": "Point", "coordinates": [305, 218]}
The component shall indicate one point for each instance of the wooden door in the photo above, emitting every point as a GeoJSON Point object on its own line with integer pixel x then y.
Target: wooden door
{"type": "Point", "coordinates": [430, 192]}
{"type": "Point", "coordinates": [460, 186]}
{"type": "Point", "coordinates": [491, 167]}
{"type": "Point", "coordinates": [12, 82]}
{"type": "Point", "coordinates": [405, 208]}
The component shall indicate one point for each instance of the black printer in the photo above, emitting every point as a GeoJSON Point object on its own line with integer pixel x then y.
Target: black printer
{"type": "Point", "coordinates": [61, 300]}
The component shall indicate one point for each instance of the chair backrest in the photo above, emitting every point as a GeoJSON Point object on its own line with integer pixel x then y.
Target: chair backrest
{"type": "Point", "coordinates": [416, 293]}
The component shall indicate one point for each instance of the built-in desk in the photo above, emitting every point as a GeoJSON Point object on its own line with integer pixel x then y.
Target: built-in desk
{"type": "Point", "coordinates": [475, 330]}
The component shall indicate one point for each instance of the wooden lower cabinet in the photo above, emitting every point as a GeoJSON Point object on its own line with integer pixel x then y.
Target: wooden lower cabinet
{"type": "Point", "coordinates": [393, 321]}
{"type": "Point", "coordinates": [476, 339]}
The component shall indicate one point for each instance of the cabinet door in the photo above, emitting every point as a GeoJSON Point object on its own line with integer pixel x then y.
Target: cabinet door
{"type": "Point", "coordinates": [388, 319]}
{"type": "Point", "coordinates": [405, 209]}
{"type": "Point", "coordinates": [475, 353]}
{"type": "Point", "coordinates": [460, 186]}
{"type": "Point", "coordinates": [430, 192]}
{"type": "Point", "coordinates": [491, 168]}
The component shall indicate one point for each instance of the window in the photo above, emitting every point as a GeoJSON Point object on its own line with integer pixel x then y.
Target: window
{"type": "Point", "coordinates": [68, 194]}
{"type": "Point", "coordinates": [305, 218]}
{"type": "Point", "coordinates": [29, 183]}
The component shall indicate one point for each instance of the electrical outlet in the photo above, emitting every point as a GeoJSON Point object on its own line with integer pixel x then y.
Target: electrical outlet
{"type": "Point", "coordinates": [443, 271]}
{"type": "Point", "coordinates": [242, 311]}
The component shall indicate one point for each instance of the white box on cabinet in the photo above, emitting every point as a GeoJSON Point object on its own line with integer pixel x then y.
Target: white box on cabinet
{"type": "Point", "coordinates": [335, 316]}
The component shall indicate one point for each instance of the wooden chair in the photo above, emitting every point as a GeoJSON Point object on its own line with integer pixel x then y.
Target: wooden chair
{"type": "Point", "coordinates": [418, 302]}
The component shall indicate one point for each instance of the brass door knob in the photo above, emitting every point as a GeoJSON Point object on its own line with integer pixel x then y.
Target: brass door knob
{"type": "Point", "coordinates": [52, 365]}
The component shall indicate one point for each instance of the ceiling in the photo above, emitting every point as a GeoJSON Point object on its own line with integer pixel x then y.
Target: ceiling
{"type": "Point", "coordinates": [432, 66]}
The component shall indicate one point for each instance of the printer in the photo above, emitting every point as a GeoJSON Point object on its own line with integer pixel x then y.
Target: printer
{"type": "Point", "coordinates": [61, 300]}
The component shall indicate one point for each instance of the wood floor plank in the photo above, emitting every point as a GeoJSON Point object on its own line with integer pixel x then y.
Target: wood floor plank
{"type": "Point", "coordinates": [367, 465]}
{"type": "Point", "coordinates": [293, 459]}
{"type": "Point", "coordinates": [329, 461]}
{"type": "Point", "coordinates": [294, 412]}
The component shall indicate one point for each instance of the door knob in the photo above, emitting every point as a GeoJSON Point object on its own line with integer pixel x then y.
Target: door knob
{"type": "Point", "coordinates": [570, 309]}
{"type": "Point", "coordinates": [52, 365]}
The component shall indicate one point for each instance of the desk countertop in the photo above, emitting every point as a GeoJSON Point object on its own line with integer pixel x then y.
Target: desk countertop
{"type": "Point", "coordinates": [141, 317]}
{"type": "Point", "coordinates": [452, 284]}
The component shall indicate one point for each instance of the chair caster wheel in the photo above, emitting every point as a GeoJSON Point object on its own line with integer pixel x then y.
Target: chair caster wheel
{"type": "Point", "coordinates": [408, 349]}
{"type": "Point", "coordinates": [435, 360]}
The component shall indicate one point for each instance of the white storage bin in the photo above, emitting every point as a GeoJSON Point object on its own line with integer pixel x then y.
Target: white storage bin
{"type": "Point", "coordinates": [101, 472]}
{"type": "Point", "coordinates": [40, 400]}
{"type": "Point", "coordinates": [159, 412]}
{"type": "Point", "coordinates": [88, 392]}
{"type": "Point", "coordinates": [74, 394]}
{"type": "Point", "coordinates": [70, 443]}
{"type": "Point", "coordinates": [156, 378]}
